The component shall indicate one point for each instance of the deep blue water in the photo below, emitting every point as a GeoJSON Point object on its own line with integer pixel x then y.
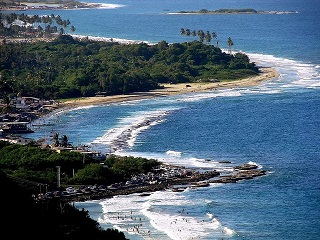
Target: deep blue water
{"type": "Point", "coordinates": [275, 125]}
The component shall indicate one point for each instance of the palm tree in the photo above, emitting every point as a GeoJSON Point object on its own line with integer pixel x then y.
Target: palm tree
{"type": "Point", "coordinates": [188, 32]}
{"type": "Point", "coordinates": [230, 44]}
{"type": "Point", "coordinates": [208, 37]}
{"type": "Point", "coordinates": [64, 141]}
{"type": "Point", "coordinates": [201, 35]}
{"type": "Point", "coordinates": [61, 31]}
{"type": "Point", "coordinates": [55, 138]}
{"type": "Point", "coordinates": [72, 28]}
{"type": "Point", "coordinates": [214, 35]}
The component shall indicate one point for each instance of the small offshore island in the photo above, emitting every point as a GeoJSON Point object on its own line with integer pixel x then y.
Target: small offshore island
{"type": "Point", "coordinates": [235, 11]}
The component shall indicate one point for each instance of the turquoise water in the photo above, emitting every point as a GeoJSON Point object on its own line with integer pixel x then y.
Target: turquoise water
{"type": "Point", "coordinates": [274, 125]}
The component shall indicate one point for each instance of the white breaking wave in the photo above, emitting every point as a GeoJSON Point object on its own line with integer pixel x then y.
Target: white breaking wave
{"type": "Point", "coordinates": [124, 135]}
{"type": "Point", "coordinates": [255, 164]}
{"type": "Point", "coordinates": [107, 39]}
{"type": "Point", "coordinates": [147, 217]}
{"type": "Point", "coordinates": [83, 107]}
{"type": "Point", "coordinates": [110, 5]}
{"type": "Point", "coordinates": [293, 74]}
{"type": "Point", "coordinates": [174, 153]}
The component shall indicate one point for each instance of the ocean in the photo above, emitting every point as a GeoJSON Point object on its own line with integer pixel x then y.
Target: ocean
{"type": "Point", "coordinates": [275, 125]}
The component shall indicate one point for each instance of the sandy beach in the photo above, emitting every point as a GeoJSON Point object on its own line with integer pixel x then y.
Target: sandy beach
{"type": "Point", "coordinates": [174, 89]}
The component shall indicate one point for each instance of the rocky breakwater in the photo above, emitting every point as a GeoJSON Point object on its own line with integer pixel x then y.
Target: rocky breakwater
{"type": "Point", "coordinates": [241, 172]}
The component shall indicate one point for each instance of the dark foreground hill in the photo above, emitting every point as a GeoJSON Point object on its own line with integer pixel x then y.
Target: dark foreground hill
{"type": "Point", "coordinates": [24, 218]}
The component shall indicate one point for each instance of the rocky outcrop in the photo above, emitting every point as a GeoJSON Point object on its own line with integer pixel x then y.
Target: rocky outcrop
{"type": "Point", "coordinates": [242, 172]}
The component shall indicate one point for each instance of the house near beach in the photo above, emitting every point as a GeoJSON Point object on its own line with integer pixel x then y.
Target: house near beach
{"type": "Point", "coordinates": [24, 102]}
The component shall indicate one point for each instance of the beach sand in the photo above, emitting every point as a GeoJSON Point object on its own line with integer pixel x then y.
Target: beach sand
{"type": "Point", "coordinates": [266, 74]}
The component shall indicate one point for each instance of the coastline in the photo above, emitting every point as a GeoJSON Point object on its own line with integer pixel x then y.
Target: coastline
{"type": "Point", "coordinates": [179, 183]}
{"type": "Point", "coordinates": [266, 74]}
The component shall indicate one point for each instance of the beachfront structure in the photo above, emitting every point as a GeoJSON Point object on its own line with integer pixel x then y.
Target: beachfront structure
{"type": "Point", "coordinates": [24, 102]}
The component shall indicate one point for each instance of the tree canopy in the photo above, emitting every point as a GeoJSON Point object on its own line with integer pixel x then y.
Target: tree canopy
{"type": "Point", "coordinates": [39, 165]}
{"type": "Point", "coordinates": [67, 67]}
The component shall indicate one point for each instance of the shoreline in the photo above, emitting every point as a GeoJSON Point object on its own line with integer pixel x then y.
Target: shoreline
{"type": "Point", "coordinates": [266, 74]}
{"type": "Point", "coordinates": [194, 179]}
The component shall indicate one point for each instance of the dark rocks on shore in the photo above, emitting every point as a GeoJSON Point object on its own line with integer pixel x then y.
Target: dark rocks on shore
{"type": "Point", "coordinates": [208, 177]}
{"type": "Point", "coordinates": [225, 162]}
{"type": "Point", "coordinates": [177, 184]}
{"type": "Point", "coordinates": [246, 166]}
{"type": "Point", "coordinates": [240, 175]}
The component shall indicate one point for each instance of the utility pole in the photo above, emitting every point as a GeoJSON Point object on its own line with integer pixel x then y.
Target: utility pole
{"type": "Point", "coordinates": [58, 177]}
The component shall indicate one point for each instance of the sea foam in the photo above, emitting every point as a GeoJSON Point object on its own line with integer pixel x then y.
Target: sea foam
{"type": "Point", "coordinates": [125, 133]}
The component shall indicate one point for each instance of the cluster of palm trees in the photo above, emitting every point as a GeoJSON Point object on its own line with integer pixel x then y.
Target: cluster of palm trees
{"type": "Point", "coordinates": [35, 24]}
{"type": "Point", "coordinates": [57, 143]}
{"type": "Point", "coordinates": [207, 36]}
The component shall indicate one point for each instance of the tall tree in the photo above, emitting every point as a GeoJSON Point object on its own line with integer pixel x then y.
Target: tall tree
{"type": "Point", "coordinates": [230, 44]}
{"type": "Point", "coordinates": [72, 28]}
{"type": "Point", "coordinates": [61, 32]}
{"type": "Point", "coordinates": [208, 37]}
{"type": "Point", "coordinates": [214, 36]}
{"type": "Point", "coordinates": [64, 141]}
{"type": "Point", "coordinates": [201, 35]}
{"type": "Point", "coordinates": [188, 32]}
{"type": "Point", "coordinates": [56, 139]}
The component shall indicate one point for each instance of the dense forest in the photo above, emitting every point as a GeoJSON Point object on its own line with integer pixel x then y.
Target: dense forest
{"type": "Point", "coordinates": [67, 67]}
{"type": "Point", "coordinates": [22, 167]}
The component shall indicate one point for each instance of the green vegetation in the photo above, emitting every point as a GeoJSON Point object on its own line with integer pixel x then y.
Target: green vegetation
{"type": "Point", "coordinates": [202, 36]}
{"type": "Point", "coordinates": [67, 68]}
{"type": "Point", "coordinates": [39, 165]}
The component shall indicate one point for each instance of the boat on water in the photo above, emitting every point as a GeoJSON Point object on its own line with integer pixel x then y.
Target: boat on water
{"type": "Point", "coordinates": [15, 127]}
